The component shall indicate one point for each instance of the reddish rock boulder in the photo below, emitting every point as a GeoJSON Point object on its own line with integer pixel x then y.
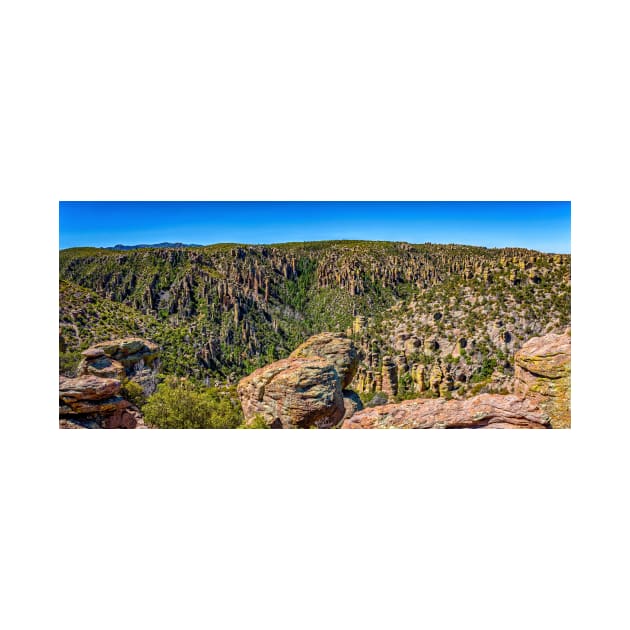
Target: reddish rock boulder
{"type": "Point", "coordinates": [120, 419]}
{"type": "Point", "coordinates": [294, 393]}
{"type": "Point", "coordinates": [543, 374]}
{"type": "Point", "coordinates": [334, 348]}
{"type": "Point", "coordinates": [486, 411]}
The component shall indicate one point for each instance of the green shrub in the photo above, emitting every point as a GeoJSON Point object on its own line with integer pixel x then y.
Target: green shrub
{"type": "Point", "coordinates": [487, 368]}
{"type": "Point", "coordinates": [68, 363]}
{"type": "Point", "coordinates": [181, 404]}
{"type": "Point", "coordinates": [133, 392]}
{"type": "Point", "coordinates": [257, 422]}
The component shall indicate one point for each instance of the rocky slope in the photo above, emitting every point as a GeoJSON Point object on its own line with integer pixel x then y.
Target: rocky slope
{"type": "Point", "coordinates": [437, 320]}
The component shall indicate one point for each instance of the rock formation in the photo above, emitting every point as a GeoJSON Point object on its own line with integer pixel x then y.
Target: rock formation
{"type": "Point", "coordinates": [389, 375]}
{"type": "Point", "coordinates": [334, 348]}
{"type": "Point", "coordinates": [543, 373]}
{"type": "Point", "coordinates": [294, 393]}
{"type": "Point", "coordinates": [486, 411]}
{"type": "Point", "coordinates": [97, 363]}
{"type": "Point", "coordinates": [94, 402]}
{"type": "Point", "coordinates": [130, 357]}
{"type": "Point", "coordinates": [351, 402]}
{"type": "Point", "coordinates": [93, 399]}
{"type": "Point", "coordinates": [305, 391]}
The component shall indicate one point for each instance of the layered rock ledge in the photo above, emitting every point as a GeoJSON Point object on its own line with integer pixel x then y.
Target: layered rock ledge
{"type": "Point", "coordinates": [543, 374]}
{"type": "Point", "coordinates": [486, 411]}
{"type": "Point", "coordinates": [94, 402]}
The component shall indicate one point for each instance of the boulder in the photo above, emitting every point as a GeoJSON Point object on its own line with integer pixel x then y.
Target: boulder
{"type": "Point", "coordinates": [120, 419]}
{"type": "Point", "coordinates": [351, 402]}
{"type": "Point", "coordinates": [543, 374]}
{"type": "Point", "coordinates": [334, 348]}
{"type": "Point", "coordinates": [294, 393]}
{"type": "Point", "coordinates": [486, 411]}
{"type": "Point", "coordinates": [378, 399]}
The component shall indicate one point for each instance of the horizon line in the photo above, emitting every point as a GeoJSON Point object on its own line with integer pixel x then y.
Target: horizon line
{"type": "Point", "coordinates": [345, 240]}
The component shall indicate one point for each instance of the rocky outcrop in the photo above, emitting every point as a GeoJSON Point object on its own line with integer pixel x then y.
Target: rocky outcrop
{"type": "Point", "coordinates": [93, 399]}
{"type": "Point", "coordinates": [294, 393]}
{"type": "Point", "coordinates": [541, 399]}
{"type": "Point", "coordinates": [486, 411]}
{"type": "Point", "coordinates": [389, 377]}
{"type": "Point", "coordinates": [435, 379]}
{"type": "Point", "coordinates": [306, 391]}
{"type": "Point", "coordinates": [129, 357]}
{"type": "Point", "coordinates": [543, 374]}
{"type": "Point", "coordinates": [334, 348]}
{"type": "Point", "coordinates": [87, 388]}
{"type": "Point", "coordinates": [96, 363]}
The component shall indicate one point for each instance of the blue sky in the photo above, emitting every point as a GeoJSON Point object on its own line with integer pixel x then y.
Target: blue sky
{"type": "Point", "coordinates": [544, 225]}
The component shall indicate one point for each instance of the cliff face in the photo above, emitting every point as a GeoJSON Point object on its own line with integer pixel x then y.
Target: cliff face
{"type": "Point", "coordinates": [543, 373]}
{"type": "Point", "coordinates": [432, 318]}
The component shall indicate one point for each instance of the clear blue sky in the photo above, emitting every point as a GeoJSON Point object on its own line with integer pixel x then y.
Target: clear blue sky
{"type": "Point", "coordinates": [544, 226]}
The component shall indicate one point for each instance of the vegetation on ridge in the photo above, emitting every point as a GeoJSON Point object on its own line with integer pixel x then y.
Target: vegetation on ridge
{"type": "Point", "coordinates": [219, 312]}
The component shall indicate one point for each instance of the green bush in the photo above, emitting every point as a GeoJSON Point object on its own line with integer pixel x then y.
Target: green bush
{"type": "Point", "coordinates": [257, 422]}
{"type": "Point", "coordinates": [133, 393]}
{"type": "Point", "coordinates": [68, 363]}
{"type": "Point", "coordinates": [181, 404]}
{"type": "Point", "coordinates": [485, 372]}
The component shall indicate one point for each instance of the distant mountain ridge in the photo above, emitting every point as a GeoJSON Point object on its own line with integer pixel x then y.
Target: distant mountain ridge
{"type": "Point", "coordinates": [121, 247]}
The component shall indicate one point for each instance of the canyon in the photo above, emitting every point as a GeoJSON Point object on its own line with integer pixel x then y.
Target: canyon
{"type": "Point", "coordinates": [437, 323]}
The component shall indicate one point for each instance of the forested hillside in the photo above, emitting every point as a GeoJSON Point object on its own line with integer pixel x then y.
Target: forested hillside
{"type": "Point", "coordinates": [221, 311]}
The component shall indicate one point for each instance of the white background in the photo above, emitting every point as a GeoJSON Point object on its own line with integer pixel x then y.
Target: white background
{"type": "Point", "coordinates": [313, 529]}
